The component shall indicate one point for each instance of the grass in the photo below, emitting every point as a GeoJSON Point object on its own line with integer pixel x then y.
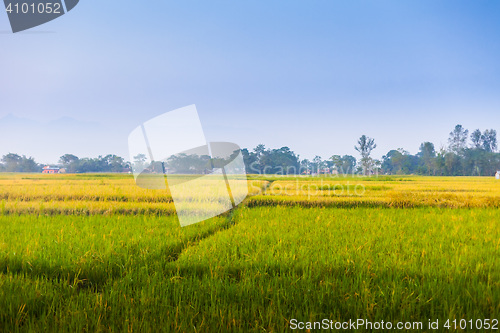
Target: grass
{"type": "Point", "coordinates": [75, 256]}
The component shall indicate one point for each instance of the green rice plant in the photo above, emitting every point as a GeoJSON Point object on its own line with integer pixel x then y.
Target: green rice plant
{"type": "Point", "coordinates": [96, 253]}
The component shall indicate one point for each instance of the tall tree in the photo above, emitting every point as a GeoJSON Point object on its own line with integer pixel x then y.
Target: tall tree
{"type": "Point", "coordinates": [260, 151]}
{"type": "Point", "coordinates": [489, 139]}
{"type": "Point", "coordinates": [348, 165]}
{"type": "Point", "coordinates": [139, 162]}
{"type": "Point", "coordinates": [11, 162]}
{"type": "Point", "coordinates": [365, 147]}
{"type": "Point", "coordinates": [67, 159]}
{"type": "Point", "coordinates": [427, 154]}
{"type": "Point", "coordinates": [458, 139]}
{"type": "Point", "coordinates": [114, 163]}
{"type": "Point", "coordinates": [476, 138]}
{"type": "Point", "coordinates": [318, 163]}
{"type": "Point", "coordinates": [336, 162]}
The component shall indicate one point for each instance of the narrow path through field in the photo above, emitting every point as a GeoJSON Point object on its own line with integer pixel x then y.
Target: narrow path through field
{"type": "Point", "coordinates": [174, 255]}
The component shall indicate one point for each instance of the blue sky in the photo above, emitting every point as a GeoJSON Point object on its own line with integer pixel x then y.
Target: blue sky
{"type": "Point", "coordinates": [311, 75]}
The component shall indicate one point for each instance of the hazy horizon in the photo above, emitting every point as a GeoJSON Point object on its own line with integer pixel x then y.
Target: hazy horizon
{"type": "Point", "coordinates": [310, 76]}
{"type": "Point", "coordinates": [90, 133]}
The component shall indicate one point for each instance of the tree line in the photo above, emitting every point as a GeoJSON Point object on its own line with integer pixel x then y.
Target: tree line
{"type": "Point", "coordinates": [474, 155]}
{"type": "Point", "coordinates": [70, 163]}
{"type": "Point", "coordinates": [465, 155]}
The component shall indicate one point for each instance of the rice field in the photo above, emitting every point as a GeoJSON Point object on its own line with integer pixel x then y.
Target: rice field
{"type": "Point", "coordinates": [96, 253]}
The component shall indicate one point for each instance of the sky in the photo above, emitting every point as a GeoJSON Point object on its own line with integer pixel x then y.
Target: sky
{"type": "Point", "coordinates": [310, 75]}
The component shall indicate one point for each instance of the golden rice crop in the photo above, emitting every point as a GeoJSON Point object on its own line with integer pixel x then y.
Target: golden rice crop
{"type": "Point", "coordinates": [90, 195]}
{"type": "Point", "coordinates": [452, 192]}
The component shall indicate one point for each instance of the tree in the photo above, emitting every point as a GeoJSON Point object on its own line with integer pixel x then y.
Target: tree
{"type": "Point", "coordinates": [348, 164]}
{"type": "Point", "coordinates": [114, 163]}
{"type": "Point", "coordinates": [489, 139]}
{"type": "Point", "coordinates": [305, 166]}
{"type": "Point", "coordinates": [28, 164]}
{"type": "Point", "coordinates": [259, 151]}
{"type": "Point", "coordinates": [11, 162]}
{"type": "Point", "coordinates": [427, 154]}
{"type": "Point", "coordinates": [336, 162]}
{"type": "Point", "coordinates": [476, 138]}
{"type": "Point", "coordinates": [365, 147]}
{"type": "Point", "coordinates": [317, 164]}
{"type": "Point", "coordinates": [67, 159]}
{"type": "Point", "coordinates": [476, 162]}
{"type": "Point", "coordinates": [70, 162]}
{"type": "Point", "coordinates": [343, 164]}
{"type": "Point", "coordinates": [16, 163]}
{"type": "Point", "coordinates": [377, 166]}
{"type": "Point", "coordinates": [279, 161]}
{"type": "Point", "coordinates": [400, 162]}
{"type": "Point", "coordinates": [189, 164]}
{"type": "Point", "coordinates": [458, 139]}
{"type": "Point", "coordinates": [251, 161]}
{"type": "Point", "coordinates": [453, 164]}
{"type": "Point", "coordinates": [139, 162]}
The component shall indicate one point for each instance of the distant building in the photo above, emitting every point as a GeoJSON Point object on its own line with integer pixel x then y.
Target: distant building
{"type": "Point", "coordinates": [497, 176]}
{"type": "Point", "coordinates": [50, 170]}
